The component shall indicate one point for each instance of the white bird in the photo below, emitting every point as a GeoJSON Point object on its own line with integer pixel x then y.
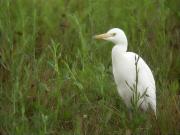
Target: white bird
{"type": "Point", "coordinates": [127, 70]}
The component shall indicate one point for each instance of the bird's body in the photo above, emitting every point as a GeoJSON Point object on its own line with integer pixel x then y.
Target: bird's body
{"type": "Point", "coordinates": [126, 72]}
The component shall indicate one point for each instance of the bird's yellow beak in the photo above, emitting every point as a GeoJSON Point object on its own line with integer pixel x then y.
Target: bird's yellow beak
{"type": "Point", "coordinates": [103, 36]}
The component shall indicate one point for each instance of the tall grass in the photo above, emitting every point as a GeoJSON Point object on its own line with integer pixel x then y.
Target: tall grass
{"type": "Point", "coordinates": [55, 79]}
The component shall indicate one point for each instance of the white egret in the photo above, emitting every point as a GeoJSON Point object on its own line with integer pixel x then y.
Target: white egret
{"type": "Point", "coordinates": [125, 72]}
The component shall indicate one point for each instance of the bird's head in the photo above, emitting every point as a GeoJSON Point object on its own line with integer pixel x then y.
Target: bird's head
{"type": "Point", "coordinates": [115, 35]}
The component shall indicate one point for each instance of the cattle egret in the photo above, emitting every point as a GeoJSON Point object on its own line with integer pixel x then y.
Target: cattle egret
{"type": "Point", "coordinates": [130, 72]}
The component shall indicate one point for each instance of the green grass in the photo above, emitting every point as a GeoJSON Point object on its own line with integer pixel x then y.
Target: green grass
{"type": "Point", "coordinates": [56, 80]}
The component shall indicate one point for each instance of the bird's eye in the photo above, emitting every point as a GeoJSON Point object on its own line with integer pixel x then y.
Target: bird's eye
{"type": "Point", "coordinates": [114, 34]}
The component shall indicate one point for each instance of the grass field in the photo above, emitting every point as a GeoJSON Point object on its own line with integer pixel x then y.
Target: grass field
{"type": "Point", "coordinates": [55, 79]}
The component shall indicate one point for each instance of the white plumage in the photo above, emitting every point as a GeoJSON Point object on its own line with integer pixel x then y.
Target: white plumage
{"type": "Point", "coordinates": [125, 72]}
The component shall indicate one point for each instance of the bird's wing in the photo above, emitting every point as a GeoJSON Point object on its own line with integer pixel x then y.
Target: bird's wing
{"type": "Point", "coordinates": [145, 80]}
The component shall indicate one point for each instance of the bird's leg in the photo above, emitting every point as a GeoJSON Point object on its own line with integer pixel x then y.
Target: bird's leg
{"type": "Point", "coordinates": [128, 130]}
{"type": "Point", "coordinates": [130, 114]}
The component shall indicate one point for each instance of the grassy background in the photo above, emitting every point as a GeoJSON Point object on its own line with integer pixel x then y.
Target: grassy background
{"type": "Point", "coordinates": [56, 80]}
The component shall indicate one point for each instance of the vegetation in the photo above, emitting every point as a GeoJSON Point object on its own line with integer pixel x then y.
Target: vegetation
{"type": "Point", "coordinates": [56, 80]}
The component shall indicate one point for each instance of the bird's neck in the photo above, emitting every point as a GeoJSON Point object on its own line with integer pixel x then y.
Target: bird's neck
{"type": "Point", "coordinates": [118, 53]}
{"type": "Point", "coordinates": [122, 47]}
